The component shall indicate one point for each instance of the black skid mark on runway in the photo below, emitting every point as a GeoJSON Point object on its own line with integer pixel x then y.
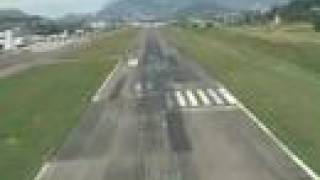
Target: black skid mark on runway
{"type": "Point", "coordinates": [178, 137]}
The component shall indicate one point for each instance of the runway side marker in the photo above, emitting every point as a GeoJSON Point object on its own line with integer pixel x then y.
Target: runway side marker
{"type": "Point", "coordinates": [180, 99]}
{"type": "Point", "coordinates": [215, 96]}
{"type": "Point", "coordinates": [192, 98]}
{"type": "Point", "coordinates": [299, 162]}
{"type": "Point", "coordinates": [134, 62]}
{"type": "Point", "coordinates": [204, 98]}
{"type": "Point", "coordinates": [97, 96]}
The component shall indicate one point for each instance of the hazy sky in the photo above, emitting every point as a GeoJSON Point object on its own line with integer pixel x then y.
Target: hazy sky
{"type": "Point", "coordinates": [54, 8]}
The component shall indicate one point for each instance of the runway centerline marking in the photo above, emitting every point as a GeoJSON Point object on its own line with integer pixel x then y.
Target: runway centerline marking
{"type": "Point", "coordinates": [138, 87]}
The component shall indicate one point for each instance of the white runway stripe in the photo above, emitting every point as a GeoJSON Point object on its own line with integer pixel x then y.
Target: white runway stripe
{"type": "Point", "coordinates": [204, 98]}
{"type": "Point", "coordinates": [227, 95]}
{"type": "Point", "coordinates": [44, 169]}
{"type": "Point", "coordinates": [180, 99]}
{"type": "Point", "coordinates": [215, 96]}
{"type": "Point", "coordinates": [99, 93]}
{"type": "Point", "coordinates": [138, 87]}
{"type": "Point", "coordinates": [192, 98]}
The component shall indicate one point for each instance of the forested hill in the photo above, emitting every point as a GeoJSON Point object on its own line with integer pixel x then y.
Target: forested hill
{"type": "Point", "coordinates": [299, 10]}
{"type": "Point", "coordinates": [169, 8]}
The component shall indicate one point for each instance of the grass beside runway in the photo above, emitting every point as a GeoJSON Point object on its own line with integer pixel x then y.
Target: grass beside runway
{"type": "Point", "coordinates": [40, 106]}
{"type": "Point", "coordinates": [276, 76]}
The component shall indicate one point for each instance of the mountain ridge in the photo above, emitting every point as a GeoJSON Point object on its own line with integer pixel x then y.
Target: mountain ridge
{"type": "Point", "coordinates": [137, 9]}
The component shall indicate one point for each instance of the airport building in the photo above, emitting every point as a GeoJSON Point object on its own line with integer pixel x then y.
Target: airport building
{"type": "Point", "coordinates": [6, 40]}
{"type": "Point", "coordinates": [10, 41]}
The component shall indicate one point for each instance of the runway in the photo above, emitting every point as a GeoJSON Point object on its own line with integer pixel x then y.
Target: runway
{"type": "Point", "coordinates": [164, 118]}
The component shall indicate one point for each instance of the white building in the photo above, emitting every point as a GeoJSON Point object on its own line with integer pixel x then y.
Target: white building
{"type": "Point", "coordinates": [277, 20]}
{"type": "Point", "coordinates": [2, 40]}
{"type": "Point", "coordinates": [7, 40]}
{"type": "Point", "coordinates": [98, 25]}
{"type": "Point", "coordinates": [80, 32]}
{"type": "Point", "coordinates": [147, 24]}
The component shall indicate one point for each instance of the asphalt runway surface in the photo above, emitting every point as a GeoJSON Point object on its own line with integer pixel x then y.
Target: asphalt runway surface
{"type": "Point", "coordinates": [166, 119]}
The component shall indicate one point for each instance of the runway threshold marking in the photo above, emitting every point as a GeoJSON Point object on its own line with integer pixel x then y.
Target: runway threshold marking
{"type": "Point", "coordinates": [192, 98]}
{"type": "Point", "coordinates": [228, 96]}
{"type": "Point", "coordinates": [204, 98]}
{"type": "Point", "coordinates": [215, 96]}
{"type": "Point", "coordinates": [180, 99]}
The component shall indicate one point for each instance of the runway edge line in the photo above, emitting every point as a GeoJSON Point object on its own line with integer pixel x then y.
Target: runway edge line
{"type": "Point", "coordinates": [97, 96]}
{"type": "Point", "coordinates": [43, 170]}
{"type": "Point", "coordinates": [299, 162]}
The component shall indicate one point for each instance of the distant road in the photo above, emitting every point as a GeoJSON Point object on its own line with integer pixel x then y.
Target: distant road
{"type": "Point", "coordinates": [166, 119]}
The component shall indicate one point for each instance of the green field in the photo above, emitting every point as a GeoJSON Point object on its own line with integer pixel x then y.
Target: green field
{"type": "Point", "coordinates": [40, 106]}
{"type": "Point", "coordinates": [275, 73]}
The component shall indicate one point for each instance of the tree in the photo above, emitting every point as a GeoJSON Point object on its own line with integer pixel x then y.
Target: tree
{"type": "Point", "coordinates": [317, 26]}
{"type": "Point", "coordinates": [195, 25]}
{"type": "Point", "coordinates": [316, 23]}
{"type": "Point", "coordinates": [209, 24]}
{"type": "Point", "coordinates": [316, 19]}
{"type": "Point", "coordinates": [298, 10]}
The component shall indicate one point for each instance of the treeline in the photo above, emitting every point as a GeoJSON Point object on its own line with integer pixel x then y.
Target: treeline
{"type": "Point", "coordinates": [299, 10]}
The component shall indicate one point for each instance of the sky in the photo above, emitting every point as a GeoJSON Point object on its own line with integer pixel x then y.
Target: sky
{"type": "Point", "coordinates": [54, 8]}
